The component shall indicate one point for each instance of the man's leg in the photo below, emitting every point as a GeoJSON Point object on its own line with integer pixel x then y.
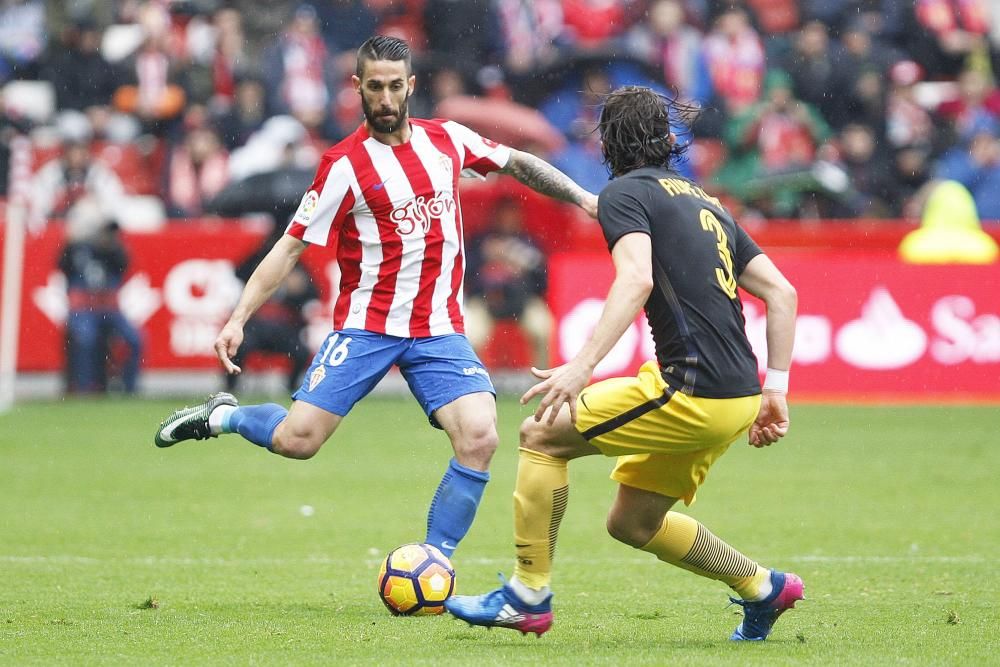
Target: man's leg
{"type": "Point", "coordinates": [642, 519]}
{"type": "Point", "coordinates": [346, 367]}
{"type": "Point", "coordinates": [541, 494]}
{"type": "Point", "coordinates": [540, 497]}
{"type": "Point", "coordinates": [471, 424]}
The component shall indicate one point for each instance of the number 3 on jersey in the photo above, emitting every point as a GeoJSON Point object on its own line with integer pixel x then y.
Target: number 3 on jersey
{"type": "Point", "coordinates": [724, 275]}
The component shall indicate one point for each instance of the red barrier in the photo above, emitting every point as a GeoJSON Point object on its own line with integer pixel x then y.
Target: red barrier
{"type": "Point", "coordinates": [868, 326]}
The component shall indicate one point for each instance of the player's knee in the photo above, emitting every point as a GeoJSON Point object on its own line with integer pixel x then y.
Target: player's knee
{"type": "Point", "coordinates": [295, 444]}
{"type": "Point", "coordinates": [535, 435]}
{"type": "Point", "coordinates": [477, 443]}
{"type": "Point", "coordinates": [628, 531]}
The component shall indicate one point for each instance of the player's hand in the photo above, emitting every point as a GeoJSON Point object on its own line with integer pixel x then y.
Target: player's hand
{"type": "Point", "coordinates": [772, 421]}
{"type": "Point", "coordinates": [226, 344]}
{"type": "Point", "coordinates": [589, 205]}
{"type": "Point", "coordinates": [559, 385]}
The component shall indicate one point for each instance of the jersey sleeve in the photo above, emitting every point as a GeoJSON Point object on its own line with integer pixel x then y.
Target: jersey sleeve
{"type": "Point", "coordinates": [746, 249]}
{"type": "Point", "coordinates": [620, 210]}
{"type": "Point", "coordinates": [325, 206]}
{"type": "Point", "coordinates": [479, 155]}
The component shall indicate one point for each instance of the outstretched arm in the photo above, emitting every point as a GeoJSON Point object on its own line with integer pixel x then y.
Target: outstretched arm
{"type": "Point", "coordinates": [542, 177]}
{"type": "Point", "coordinates": [265, 279]}
{"type": "Point", "coordinates": [763, 279]}
{"type": "Point", "coordinates": [633, 282]}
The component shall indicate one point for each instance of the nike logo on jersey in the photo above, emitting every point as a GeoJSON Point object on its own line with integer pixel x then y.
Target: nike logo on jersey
{"type": "Point", "coordinates": [378, 186]}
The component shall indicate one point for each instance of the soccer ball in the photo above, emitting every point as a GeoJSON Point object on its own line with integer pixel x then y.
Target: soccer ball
{"type": "Point", "coordinates": [415, 580]}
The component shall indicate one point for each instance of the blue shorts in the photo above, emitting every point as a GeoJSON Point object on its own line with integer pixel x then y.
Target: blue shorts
{"type": "Point", "coordinates": [351, 362]}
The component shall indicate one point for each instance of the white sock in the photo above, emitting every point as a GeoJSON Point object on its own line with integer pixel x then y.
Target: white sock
{"type": "Point", "coordinates": [217, 416]}
{"type": "Point", "coordinates": [765, 589]}
{"type": "Point", "coordinates": [527, 595]}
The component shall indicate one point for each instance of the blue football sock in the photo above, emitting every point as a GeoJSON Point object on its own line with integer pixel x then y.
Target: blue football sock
{"type": "Point", "coordinates": [256, 423]}
{"type": "Point", "coordinates": [454, 506]}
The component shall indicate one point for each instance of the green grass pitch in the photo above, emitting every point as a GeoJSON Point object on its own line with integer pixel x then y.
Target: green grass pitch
{"type": "Point", "coordinates": [114, 552]}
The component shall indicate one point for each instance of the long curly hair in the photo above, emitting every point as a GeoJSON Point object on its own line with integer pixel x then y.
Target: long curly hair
{"type": "Point", "coordinates": [636, 129]}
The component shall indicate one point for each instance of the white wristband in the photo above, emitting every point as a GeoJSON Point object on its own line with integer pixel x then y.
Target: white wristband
{"type": "Point", "coordinates": [776, 380]}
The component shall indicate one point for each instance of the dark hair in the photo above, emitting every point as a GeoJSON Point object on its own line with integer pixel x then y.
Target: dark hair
{"type": "Point", "coordinates": [635, 129]}
{"type": "Point", "coordinates": [383, 47]}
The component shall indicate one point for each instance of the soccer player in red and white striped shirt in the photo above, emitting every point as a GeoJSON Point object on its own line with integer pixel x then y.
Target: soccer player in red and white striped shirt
{"type": "Point", "coordinates": [387, 198]}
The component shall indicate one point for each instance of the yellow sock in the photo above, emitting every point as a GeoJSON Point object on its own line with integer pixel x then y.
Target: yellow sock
{"type": "Point", "coordinates": [540, 497]}
{"type": "Point", "coordinates": [684, 542]}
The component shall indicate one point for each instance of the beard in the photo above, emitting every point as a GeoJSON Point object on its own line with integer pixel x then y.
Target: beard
{"type": "Point", "coordinates": [378, 123]}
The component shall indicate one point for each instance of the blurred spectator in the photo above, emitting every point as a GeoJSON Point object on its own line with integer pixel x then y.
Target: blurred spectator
{"type": "Point", "coordinates": [82, 78]}
{"type": "Point", "coordinates": [215, 55]}
{"type": "Point", "coordinates": [23, 36]}
{"type": "Point", "coordinates": [533, 37]}
{"type": "Point", "coordinates": [345, 25]}
{"type": "Point", "coordinates": [859, 78]}
{"type": "Point", "coordinates": [812, 65]}
{"type": "Point", "coordinates": [667, 42]}
{"type": "Point", "coordinates": [74, 176]}
{"type": "Point", "coordinates": [94, 262]}
{"type": "Point", "coordinates": [230, 60]}
{"type": "Point", "coordinates": [773, 147]}
{"type": "Point", "coordinates": [465, 34]}
{"type": "Point", "coordinates": [736, 63]}
{"type": "Point", "coordinates": [198, 170]}
{"type": "Point", "coordinates": [942, 34]}
{"type": "Point", "coordinates": [247, 113]}
{"type": "Point", "coordinates": [507, 279]}
{"type": "Point", "coordinates": [871, 186]}
{"type": "Point", "coordinates": [911, 170]}
{"type": "Point", "coordinates": [978, 97]}
{"type": "Point", "coordinates": [153, 90]}
{"type": "Point", "coordinates": [278, 326]}
{"type": "Point", "coordinates": [445, 82]}
{"type": "Point", "coordinates": [298, 71]}
{"type": "Point", "coordinates": [907, 122]}
{"type": "Point", "coordinates": [975, 163]}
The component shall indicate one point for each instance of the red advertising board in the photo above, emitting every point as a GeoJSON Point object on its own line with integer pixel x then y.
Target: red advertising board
{"type": "Point", "coordinates": [179, 290]}
{"type": "Point", "coordinates": [869, 326]}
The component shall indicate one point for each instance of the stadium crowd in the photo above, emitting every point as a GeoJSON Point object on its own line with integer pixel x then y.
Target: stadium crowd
{"type": "Point", "coordinates": [835, 108]}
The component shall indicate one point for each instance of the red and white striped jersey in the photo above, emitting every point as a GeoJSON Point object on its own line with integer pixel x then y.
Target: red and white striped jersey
{"type": "Point", "coordinates": [394, 213]}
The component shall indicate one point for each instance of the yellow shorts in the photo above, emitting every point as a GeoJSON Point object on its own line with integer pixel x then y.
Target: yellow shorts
{"type": "Point", "coordinates": [665, 441]}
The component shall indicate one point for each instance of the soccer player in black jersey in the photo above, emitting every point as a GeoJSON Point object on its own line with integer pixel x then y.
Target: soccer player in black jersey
{"type": "Point", "coordinates": [679, 253]}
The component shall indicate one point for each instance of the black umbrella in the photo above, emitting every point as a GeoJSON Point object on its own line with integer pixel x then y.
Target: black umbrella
{"type": "Point", "coordinates": [275, 192]}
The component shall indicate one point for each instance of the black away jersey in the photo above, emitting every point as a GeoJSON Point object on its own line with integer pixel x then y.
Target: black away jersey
{"type": "Point", "coordinates": [699, 252]}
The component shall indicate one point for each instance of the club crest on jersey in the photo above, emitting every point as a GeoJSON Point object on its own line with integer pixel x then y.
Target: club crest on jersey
{"type": "Point", "coordinates": [447, 166]}
{"type": "Point", "coordinates": [316, 377]}
{"type": "Point", "coordinates": [419, 212]}
{"type": "Point", "coordinates": [307, 207]}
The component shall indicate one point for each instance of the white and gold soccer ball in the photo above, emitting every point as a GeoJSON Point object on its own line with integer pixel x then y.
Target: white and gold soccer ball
{"type": "Point", "coordinates": [415, 580]}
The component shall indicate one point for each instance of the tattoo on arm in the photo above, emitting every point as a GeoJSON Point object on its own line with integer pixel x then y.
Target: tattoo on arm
{"type": "Point", "coordinates": [542, 177]}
